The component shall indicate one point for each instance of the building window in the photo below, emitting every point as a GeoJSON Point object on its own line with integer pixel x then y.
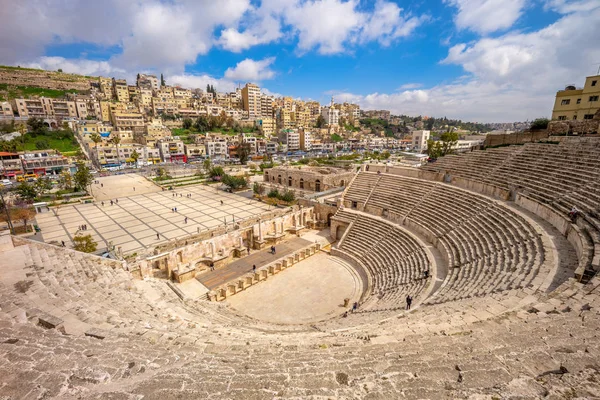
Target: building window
{"type": "Point", "coordinates": [588, 116]}
{"type": "Point", "coordinates": [593, 98]}
{"type": "Point", "coordinates": [562, 117]}
{"type": "Point", "coordinates": [594, 83]}
{"type": "Point", "coordinates": [565, 102]}
{"type": "Point", "coordinates": [578, 101]}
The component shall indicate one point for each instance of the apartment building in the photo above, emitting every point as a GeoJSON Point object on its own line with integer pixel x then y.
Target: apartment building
{"type": "Point", "coordinates": [164, 105]}
{"type": "Point", "coordinates": [419, 140]}
{"type": "Point", "coordinates": [306, 140]}
{"type": "Point", "coordinates": [6, 110]}
{"type": "Point", "coordinates": [147, 82]}
{"type": "Point", "coordinates": [10, 165]}
{"type": "Point", "coordinates": [266, 106]}
{"type": "Point", "coordinates": [90, 127]}
{"type": "Point", "coordinates": [217, 148]}
{"type": "Point", "coordinates": [194, 152]}
{"type": "Point", "coordinates": [331, 115]}
{"type": "Point", "coordinates": [106, 88]}
{"type": "Point", "coordinates": [127, 121]}
{"type": "Point", "coordinates": [578, 103]}
{"type": "Point", "coordinates": [171, 149]}
{"type": "Point", "coordinates": [290, 138]}
{"type": "Point", "coordinates": [120, 90]}
{"type": "Point", "coordinates": [45, 107]}
{"type": "Point", "coordinates": [251, 100]}
{"type": "Point", "coordinates": [285, 119]}
{"type": "Point", "coordinates": [267, 126]}
{"type": "Point", "coordinates": [87, 107]}
{"type": "Point", "coordinates": [377, 114]}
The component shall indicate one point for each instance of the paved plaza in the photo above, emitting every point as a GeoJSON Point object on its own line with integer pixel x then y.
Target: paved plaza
{"type": "Point", "coordinates": [310, 291]}
{"type": "Point", "coordinates": [116, 186]}
{"type": "Point", "coordinates": [134, 221]}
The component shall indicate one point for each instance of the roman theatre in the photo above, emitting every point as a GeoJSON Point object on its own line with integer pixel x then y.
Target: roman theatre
{"type": "Point", "coordinates": [498, 250]}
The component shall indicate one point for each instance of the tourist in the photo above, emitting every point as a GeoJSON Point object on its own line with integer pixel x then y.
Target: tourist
{"type": "Point", "coordinates": [102, 185]}
{"type": "Point", "coordinates": [248, 250]}
{"type": "Point", "coordinates": [573, 213]}
{"type": "Point", "coordinates": [221, 202]}
{"type": "Point", "coordinates": [157, 236]}
{"type": "Point", "coordinates": [63, 243]}
{"type": "Point", "coordinates": [198, 229]}
{"type": "Point", "coordinates": [355, 306]}
{"type": "Point", "coordinates": [345, 315]}
{"type": "Point", "coordinates": [173, 194]}
{"type": "Point", "coordinates": [254, 269]}
{"type": "Point", "coordinates": [175, 209]}
{"type": "Point", "coordinates": [117, 201]}
{"type": "Point", "coordinates": [426, 274]}
{"type": "Point", "coordinates": [212, 266]}
{"type": "Point", "coordinates": [408, 302]}
{"type": "Point", "coordinates": [102, 204]}
{"type": "Point", "coordinates": [111, 202]}
{"type": "Point", "coordinates": [185, 220]}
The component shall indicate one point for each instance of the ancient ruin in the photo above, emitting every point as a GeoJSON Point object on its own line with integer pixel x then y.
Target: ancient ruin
{"type": "Point", "coordinates": [498, 250]}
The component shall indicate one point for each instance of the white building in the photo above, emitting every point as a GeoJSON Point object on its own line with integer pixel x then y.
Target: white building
{"type": "Point", "coordinates": [217, 148]}
{"type": "Point", "coordinates": [419, 140]}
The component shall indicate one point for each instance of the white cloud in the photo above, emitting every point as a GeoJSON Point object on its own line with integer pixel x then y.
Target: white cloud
{"type": "Point", "coordinates": [386, 24]}
{"type": "Point", "coordinates": [511, 77]}
{"type": "Point", "coordinates": [407, 86]}
{"type": "Point", "coordinates": [486, 16]}
{"type": "Point", "coordinates": [250, 70]}
{"type": "Point", "coordinates": [77, 66]}
{"type": "Point", "coordinates": [569, 6]}
{"type": "Point", "coordinates": [192, 81]}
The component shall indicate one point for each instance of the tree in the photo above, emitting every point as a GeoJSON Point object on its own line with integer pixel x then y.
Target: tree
{"type": "Point", "coordinates": [83, 177]}
{"type": "Point", "coordinates": [540, 123]}
{"type": "Point", "coordinates": [65, 180]}
{"type": "Point", "coordinates": [445, 145]}
{"type": "Point", "coordinates": [42, 144]}
{"type": "Point", "coordinates": [201, 124]}
{"type": "Point", "coordinates": [23, 214]}
{"type": "Point", "coordinates": [84, 243]}
{"type": "Point", "coordinates": [135, 157]}
{"type": "Point", "coordinates": [187, 123]}
{"type": "Point", "coordinates": [116, 139]}
{"type": "Point", "coordinates": [137, 77]}
{"type": "Point", "coordinates": [234, 182]}
{"type": "Point", "coordinates": [60, 70]}
{"type": "Point", "coordinates": [216, 173]}
{"type": "Point", "coordinates": [162, 80]}
{"type": "Point", "coordinates": [243, 152]}
{"type": "Point", "coordinates": [207, 164]}
{"type": "Point", "coordinates": [259, 188]}
{"type": "Point", "coordinates": [320, 123]}
{"type": "Point", "coordinates": [96, 138]}
{"type": "Point", "coordinates": [43, 185]}
{"type": "Point", "coordinates": [36, 124]}
{"type": "Point", "coordinates": [26, 192]}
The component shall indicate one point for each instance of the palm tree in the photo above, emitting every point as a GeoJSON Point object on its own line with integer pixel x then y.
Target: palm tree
{"type": "Point", "coordinates": [116, 139]}
{"type": "Point", "coordinates": [96, 138]}
{"type": "Point", "coordinates": [135, 157]}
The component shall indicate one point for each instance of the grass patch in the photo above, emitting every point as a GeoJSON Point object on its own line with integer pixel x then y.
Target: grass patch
{"type": "Point", "coordinates": [65, 145]}
{"type": "Point", "coordinates": [14, 92]}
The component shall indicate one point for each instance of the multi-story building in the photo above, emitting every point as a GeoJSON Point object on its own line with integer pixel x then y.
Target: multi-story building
{"type": "Point", "coordinates": [419, 140]}
{"type": "Point", "coordinates": [87, 106]}
{"type": "Point", "coordinates": [285, 119]}
{"type": "Point", "coordinates": [10, 165]}
{"type": "Point", "coordinates": [120, 90]}
{"type": "Point", "coordinates": [251, 100]}
{"type": "Point", "coordinates": [62, 109]}
{"type": "Point", "coordinates": [290, 138]}
{"type": "Point", "coordinates": [217, 148]}
{"type": "Point", "coordinates": [194, 152]}
{"type": "Point", "coordinates": [44, 162]}
{"type": "Point", "coordinates": [171, 149]}
{"type": "Point", "coordinates": [128, 121]}
{"type": "Point", "coordinates": [45, 107]}
{"type": "Point", "coordinates": [144, 100]}
{"type": "Point", "coordinates": [331, 115]}
{"type": "Point", "coordinates": [6, 110]}
{"type": "Point", "coordinates": [86, 128]}
{"type": "Point", "coordinates": [106, 88]}
{"type": "Point", "coordinates": [266, 126]}
{"type": "Point", "coordinates": [148, 82]}
{"type": "Point", "coordinates": [578, 104]}
{"type": "Point", "coordinates": [377, 114]}
{"type": "Point", "coordinates": [164, 105]}
{"type": "Point", "coordinates": [305, 140]}
{"type": "Point", "coordinates": [266, 106]}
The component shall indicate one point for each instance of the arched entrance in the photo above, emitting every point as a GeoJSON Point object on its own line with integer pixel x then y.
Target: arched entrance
{"type": "Point", "coordinates": [279, 179]}
{"type": "Point", "coordinates": [329, 219]}
{"type": "Point", "coordinates": [290, 181]}
{"type": "Point", "coordinates": [317, 185]}
{"type": "Point", "coordinates": [301, 183]}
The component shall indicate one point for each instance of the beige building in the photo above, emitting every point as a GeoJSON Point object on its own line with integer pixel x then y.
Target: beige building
{"type": "Point", "coordinates": [121, 91]}
{"type": "Point", "coordinates": [251, 100]}
{"type": "Point", "coordinates": [45, 108]}
{"type": "Point", "coordinates": [6, 109]}
{"type": "Point", "coordinates": [316, 179]}
{"type": "Point", "coordinates": [106, 87]}
{"type": "Point", "coordinates": [578, 104]}
{"type": "Point", "coordinates": [128, 121]}
{"type": "Point", "coordinates": [266, 125]}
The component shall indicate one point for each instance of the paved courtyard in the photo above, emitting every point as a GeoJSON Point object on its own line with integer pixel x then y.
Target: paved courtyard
{"type": "Point", "coordinates": [134, 221]}
{"type": "Point", "coordinates": [116, 186]}
{"type": "Point", "coordinates": [310, 291]}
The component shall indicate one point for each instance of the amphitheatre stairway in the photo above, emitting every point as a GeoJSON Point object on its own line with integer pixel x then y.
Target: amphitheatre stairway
{"type": "Point", "coordinates": [504, 320]}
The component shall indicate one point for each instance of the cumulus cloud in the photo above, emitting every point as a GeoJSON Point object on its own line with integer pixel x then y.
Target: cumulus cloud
{"type": "Point", "coordinates": [77, 66]}
{"type": "Point", "coordinates": [512, 77]}
{"type": "Point", "coordinates": [250, 70]}
{"type": "Point", "coordinates": [387, 23]}
{"type": "Point", "coordinates": [486, 16]}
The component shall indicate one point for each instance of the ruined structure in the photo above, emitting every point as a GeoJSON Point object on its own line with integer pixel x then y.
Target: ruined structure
{"type": "Point", "coordinates": [316, 179]}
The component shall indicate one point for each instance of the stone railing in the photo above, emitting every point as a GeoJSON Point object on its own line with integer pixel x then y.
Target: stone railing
{"type": "Point", "coordinates": [245, 281]}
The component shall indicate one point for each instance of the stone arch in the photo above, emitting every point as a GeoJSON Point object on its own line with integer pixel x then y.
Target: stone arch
{"type": "Point", "coordinates": [290, 181]}
{"type": "Point", "coordinates": [301, 183]}
{"type": "Point", "coordinates": [318, 185]}
{"type": "Point", "coordinates": [279, 179]}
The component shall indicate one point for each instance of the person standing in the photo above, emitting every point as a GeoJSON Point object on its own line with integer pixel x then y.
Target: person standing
{"type": "Point", "coordinates": [408, 302]}
{"type": "Point", "coordinates": [157, 236]}
{"type": "Point", "coordinates": [254, 269]}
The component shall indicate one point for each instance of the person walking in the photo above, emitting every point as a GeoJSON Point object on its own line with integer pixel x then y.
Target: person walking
{"type": "Point", "coordinates": [408, 302]}
{"type": "Point", "coordinates": [63, 243]}
{"type": "Point", "coordinates": [185, 220]}
{"type": "Point", "coordinates": [355, 306]}
{"type": "Point", "coordinates": [254, 269]}
{"type": "Point", "coordinates": [157, 236]}
{"type": "Point", "coordinates": [102, 204]}
{"type": "Point", "coordinates": [248, 250]}
{"type": "Point", "coordinates": [117, 201]}
{"type": "Point", "coordinates": [111, 202]}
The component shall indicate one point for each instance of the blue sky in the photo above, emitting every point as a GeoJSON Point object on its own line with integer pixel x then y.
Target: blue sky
{"type": "Point", "coordinates": [483, 60]}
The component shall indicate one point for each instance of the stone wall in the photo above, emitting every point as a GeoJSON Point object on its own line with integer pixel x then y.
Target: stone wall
{"type": "Point", "coordinates": [586, 126]}
{"type": "Point", "coordinates": [317, 179]}
{"type": "Point", "coordinates": [515, 138]}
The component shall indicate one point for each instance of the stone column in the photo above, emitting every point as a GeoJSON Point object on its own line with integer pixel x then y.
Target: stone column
{"type": "Point", "coordinates": [212, 249]}
{"type": "Point", "coordinates": [241, 242]}
{"type": "Point", "coordinates": [282, 226]}
{"type": "Point", "coordinates": [260, 235]}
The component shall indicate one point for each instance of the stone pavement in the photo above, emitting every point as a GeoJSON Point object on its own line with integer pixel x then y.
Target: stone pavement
{"type": "Point", "coordinates": [214, 279]}
{"type": "Point", "coordinates": [117, 186]}
{"type": "Point", "coordinates": [134, 221]}
{"type": "Point", "coordinates": [312, 290]}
